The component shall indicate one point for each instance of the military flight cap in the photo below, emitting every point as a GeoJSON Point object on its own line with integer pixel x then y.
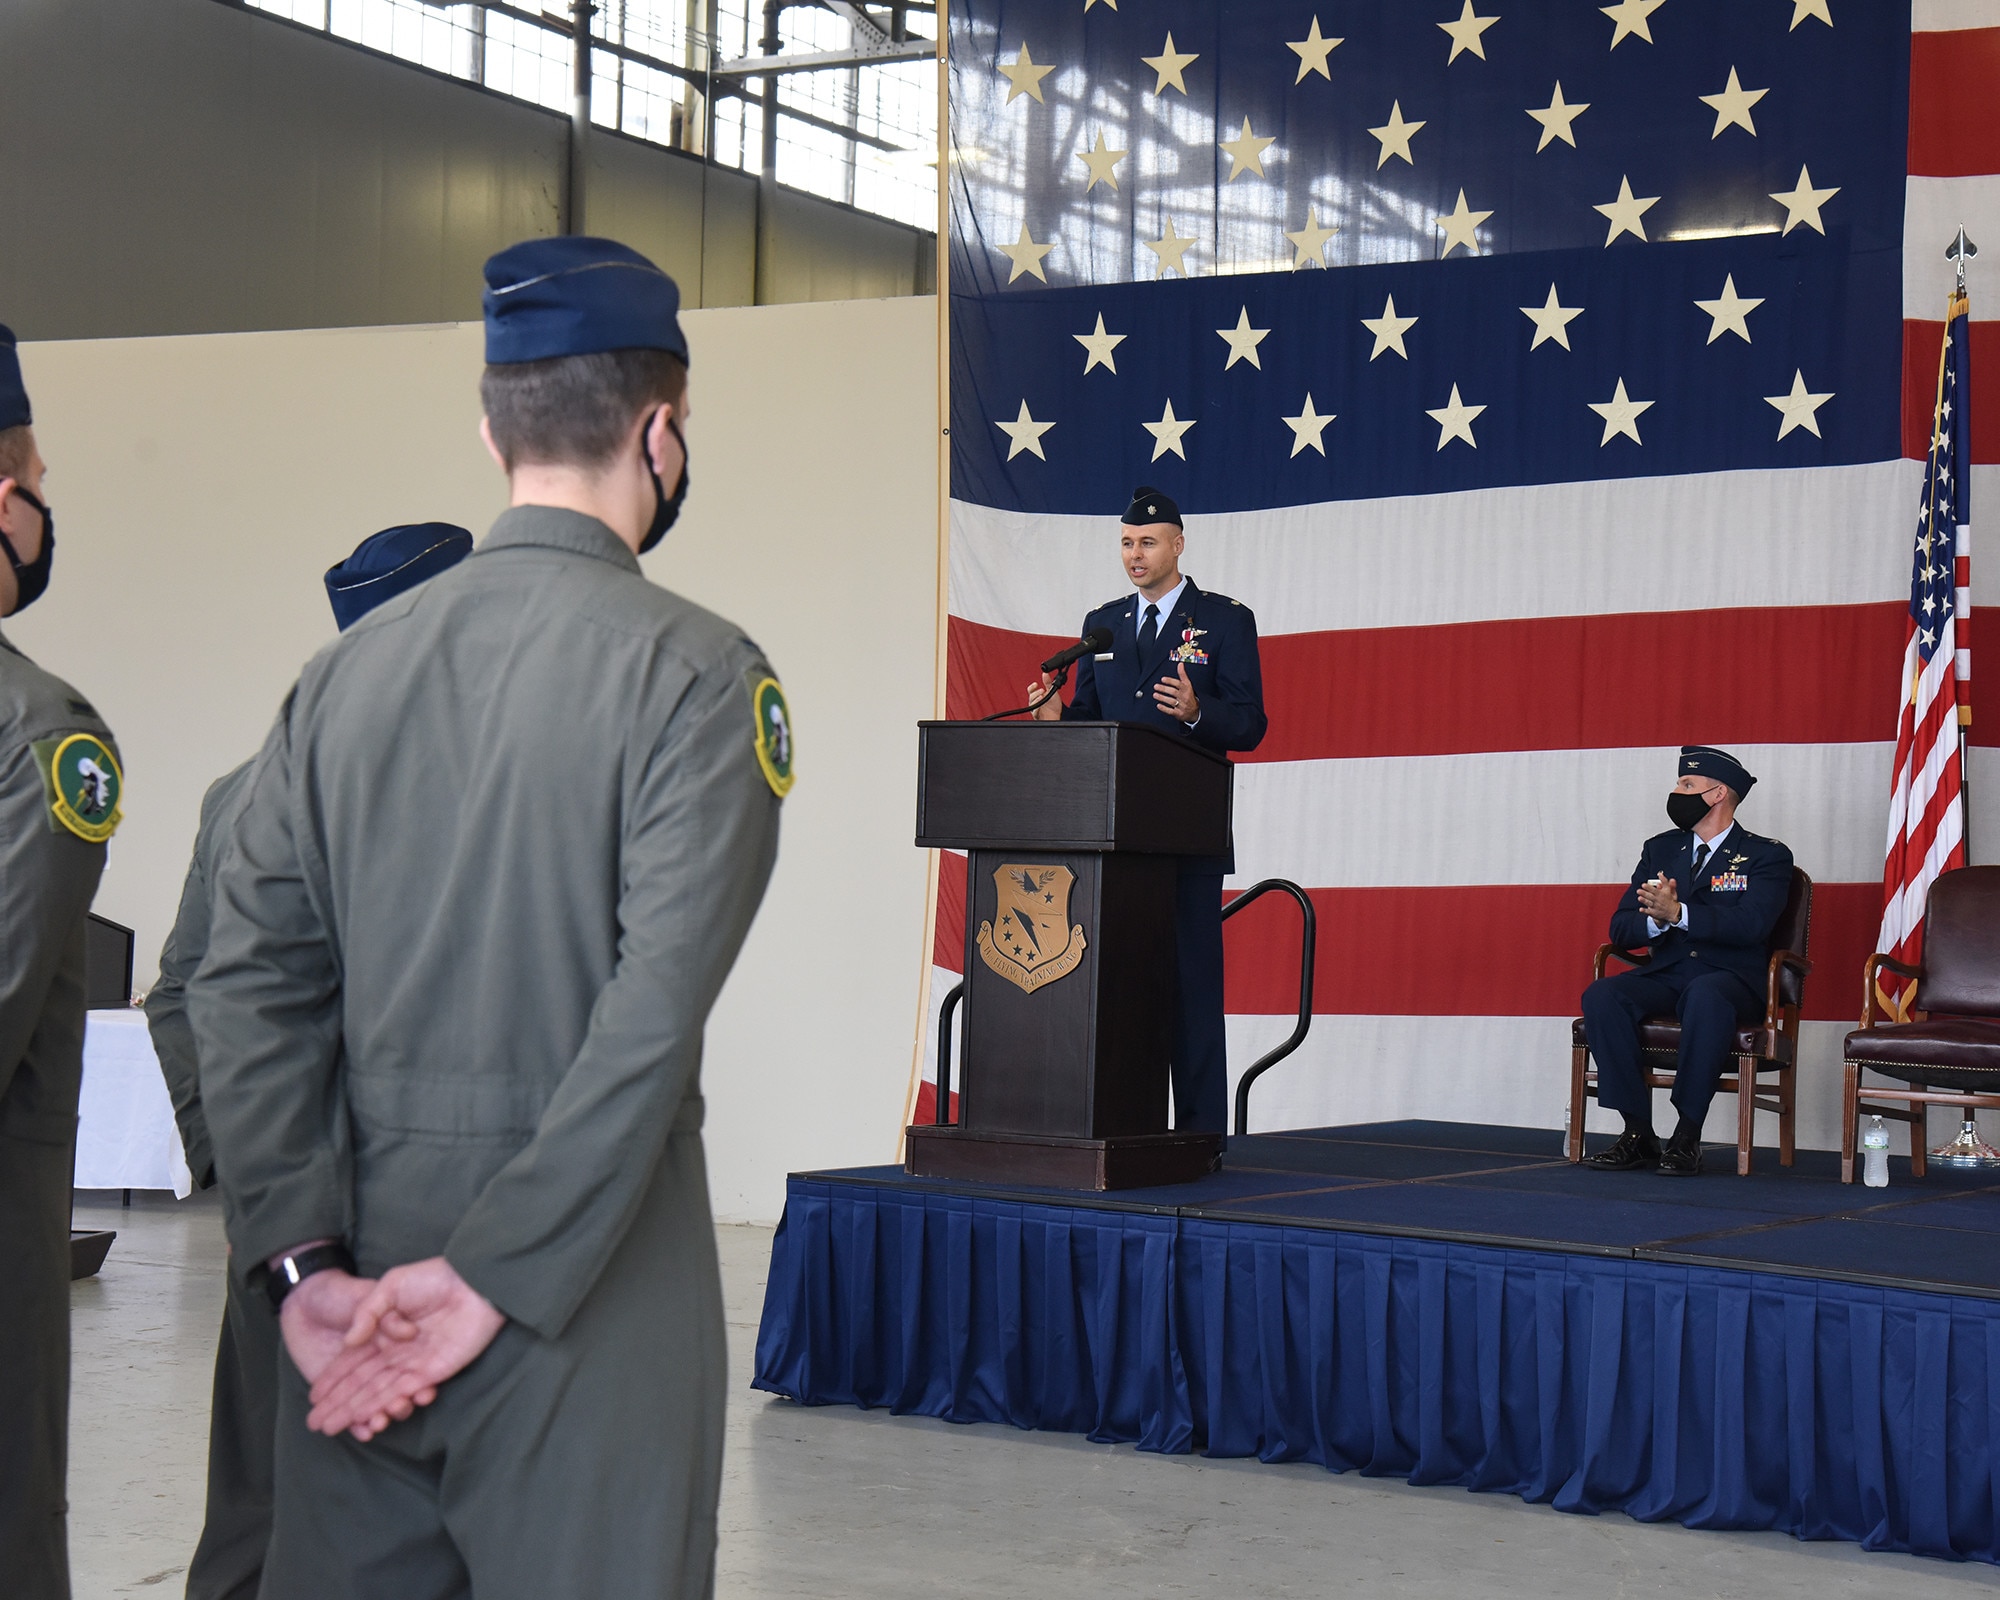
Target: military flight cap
{"type": "Point", "coordinates": [15, 412]}
{"type": "Point", "coordinates": [577, 296]}
{"type": "Point", "coordinates": [1705, 761]}
{"type": "Point", "coordinates": [1150, 506]}
{"type": "Point", "coordinates": [385, 564]}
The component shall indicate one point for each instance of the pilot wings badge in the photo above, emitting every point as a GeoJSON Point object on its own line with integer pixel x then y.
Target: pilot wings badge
{"type": "Point", "coordinates": [1031, 940]}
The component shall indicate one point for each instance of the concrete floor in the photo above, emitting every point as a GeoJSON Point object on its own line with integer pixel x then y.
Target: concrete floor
{"type": "Point", "coordinates": [841, 1503]}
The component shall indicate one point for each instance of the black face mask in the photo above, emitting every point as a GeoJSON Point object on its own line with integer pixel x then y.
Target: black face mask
{"type": "Point", "coordinates": [666, 508]}
{"type": "Point", "coordinates": [31, 578]}
{"type": "Point", "coordinates": [1685, 810]}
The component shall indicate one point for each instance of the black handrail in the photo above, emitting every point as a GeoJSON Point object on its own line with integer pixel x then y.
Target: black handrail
{"type": "Point", "coordinates": [941, 1114]}
{"type": "Point", "coordinates": [1265, 1062]}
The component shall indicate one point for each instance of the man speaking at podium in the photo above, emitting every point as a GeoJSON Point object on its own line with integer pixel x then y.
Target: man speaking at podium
{"type": "Point", "coordinates": [1184, 662]}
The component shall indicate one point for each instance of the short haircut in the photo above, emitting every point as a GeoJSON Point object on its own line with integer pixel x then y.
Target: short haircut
{"type": "Point", "coordinates": [17, 449]}
{"type": "Point", "coordinates": [575, 410]}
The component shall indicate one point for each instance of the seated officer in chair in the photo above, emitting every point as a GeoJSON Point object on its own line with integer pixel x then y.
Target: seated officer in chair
{"type": "Point", "coordinates": [1705, 897]}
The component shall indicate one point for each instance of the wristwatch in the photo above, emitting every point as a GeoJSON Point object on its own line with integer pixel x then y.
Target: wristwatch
{"type": "Point", "coordinates": [293, 1269]}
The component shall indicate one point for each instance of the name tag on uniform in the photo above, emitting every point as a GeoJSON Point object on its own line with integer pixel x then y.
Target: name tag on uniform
{"type": "Point", "coordinates": [1728, 883]}
{"type": "Point", "coordinates": [1108, 655]}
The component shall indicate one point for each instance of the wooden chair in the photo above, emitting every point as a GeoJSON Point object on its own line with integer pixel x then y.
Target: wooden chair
{"type": "Point", "coordinates": [1770, 1047]}
{"type": "Point", "coordinates": [1956, 1038]}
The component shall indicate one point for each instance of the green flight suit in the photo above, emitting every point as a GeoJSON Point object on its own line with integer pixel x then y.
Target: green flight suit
{"type": "Point", "coordinates": [243, 1412]}
{"type": "Point", "coordinates": [497, 858]}
{"type": "Point", "coordinates": [52, 827]}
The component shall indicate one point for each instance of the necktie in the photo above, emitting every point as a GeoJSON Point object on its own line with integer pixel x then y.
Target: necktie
{"type": "Point", "coordinates": [1700, 855]}
{"type": "Point", "coordinates": [1149, 630]}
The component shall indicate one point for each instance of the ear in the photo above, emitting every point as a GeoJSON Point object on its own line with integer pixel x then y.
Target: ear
{"type": "Point", "coordinates": [492, 449]}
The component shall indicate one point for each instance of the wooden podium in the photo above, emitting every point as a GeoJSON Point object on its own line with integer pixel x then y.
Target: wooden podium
{"type": "Point", "coordinates": [1073, 830]}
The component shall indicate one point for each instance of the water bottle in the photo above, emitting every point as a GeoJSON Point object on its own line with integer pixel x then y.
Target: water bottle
{"type": "Point", "coordinates": [1875, 1148]}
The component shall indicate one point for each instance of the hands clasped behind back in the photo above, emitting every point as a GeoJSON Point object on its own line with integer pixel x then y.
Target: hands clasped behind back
{"type": "Point", "coordinates": [374, 1350]}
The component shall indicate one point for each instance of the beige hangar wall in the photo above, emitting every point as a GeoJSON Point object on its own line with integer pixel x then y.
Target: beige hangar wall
{"type": "Point", "coordinates": [203, 484]}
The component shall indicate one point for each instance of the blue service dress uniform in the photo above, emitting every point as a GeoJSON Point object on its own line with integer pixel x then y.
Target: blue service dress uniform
{"type": "Point", "coordinates": [1710, 975]}
{"type": "Point", "coordinates": [1215, 637]}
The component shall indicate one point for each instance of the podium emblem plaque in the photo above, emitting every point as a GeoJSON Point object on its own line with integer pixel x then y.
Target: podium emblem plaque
{"type": "Point", "coordinates": [1034, 943]}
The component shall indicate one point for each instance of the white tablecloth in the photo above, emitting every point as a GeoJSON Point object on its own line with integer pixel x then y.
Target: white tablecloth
{"type": "Point", "coordinates": [126, 1137]}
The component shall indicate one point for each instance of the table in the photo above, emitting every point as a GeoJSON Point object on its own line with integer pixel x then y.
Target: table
{"type": "Point", "coordinates": [126, 1137]}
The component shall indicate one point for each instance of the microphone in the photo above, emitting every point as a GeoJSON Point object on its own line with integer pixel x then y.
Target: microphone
{"type": "Point", "coordinates": [1095, 642]}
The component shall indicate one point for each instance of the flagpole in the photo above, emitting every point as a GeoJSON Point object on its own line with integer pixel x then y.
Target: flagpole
{"type": "Point", "coordinates": [1958, 252]}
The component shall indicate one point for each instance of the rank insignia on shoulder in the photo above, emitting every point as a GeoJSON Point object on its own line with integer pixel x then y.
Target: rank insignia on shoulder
{"type": "Point", "coordinates": [774, 735]}
{"type": "Point", "coordinates": [84, 784]}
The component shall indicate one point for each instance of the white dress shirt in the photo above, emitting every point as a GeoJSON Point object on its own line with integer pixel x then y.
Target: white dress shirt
{"type": "Point", "coordinates": [1655, 929]}
{"type": "Point", "coordinates": [1166, 603]}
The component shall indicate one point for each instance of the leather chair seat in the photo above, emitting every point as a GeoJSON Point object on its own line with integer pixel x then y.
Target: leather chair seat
{"type": "Point", "coordinates": [1662, 1036]}
{"type": "Point", "coordinates": [1949, 1052]}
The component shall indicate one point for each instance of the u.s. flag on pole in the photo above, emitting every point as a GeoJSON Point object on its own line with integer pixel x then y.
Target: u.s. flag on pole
{"type": "Point", "coordinates": [1927, 798]}
{"type": "Point", "coordinates": [1552, 378]}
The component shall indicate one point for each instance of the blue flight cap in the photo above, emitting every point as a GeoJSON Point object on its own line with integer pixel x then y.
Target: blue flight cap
{"type": "Point", "coordinates": [15, 412]}
{"type": "Point", "coordinates": [385, 564]}
{"type": "Point", "coordinates": [576, 296]}
{"type": "Point", "coordinates": [1149, 506]}
{"type": "Point", "coordinates": [1705, 761]}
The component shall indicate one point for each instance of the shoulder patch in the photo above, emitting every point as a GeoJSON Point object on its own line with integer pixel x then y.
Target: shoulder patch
{"type": "Point", "coordinates": [84, 783]}
{"type": "Point", "coordinates": [773, 719]}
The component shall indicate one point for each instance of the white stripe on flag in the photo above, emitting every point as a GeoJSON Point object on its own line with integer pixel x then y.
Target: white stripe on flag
{"type": "Point", "coordinates": [1933, 208]}
{"type": "Point", "coordinates": [1510, 1071]}
{"type": "Point", "coordinates": [1810, 536]}
{"type": "Point", "coordinates": [1536, 816]}
{"type": "Point", "coordinates": [1950, 16]}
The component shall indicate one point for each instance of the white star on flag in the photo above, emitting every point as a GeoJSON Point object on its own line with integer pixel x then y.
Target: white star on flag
{"type": "Point", "coordinates": [1801, 9]}
{"type": "Point", "coordinates": [1394, 136]}
{"type": "Point", "coordinates": [1309, 243]}
{"type": "Point", "coordinates": [1625, 213]}
{"type": "Point", "coordinates": [1621, 415]}
{"type": "Point", "coordinates": [1243, 341]}
{"type": "Point", "coordinates": [1732, 104]}
{"type": "Point", "coordinates": [1307, 427]}
{"type": "Point", "coordinates": [1729, 311]}
{"type": "Point", "coordinates": [1023, 76]}
{"type": "Point", "coordinates": [1312, 52]}
{"type": "Point", "coordinates": [1170, 247]}
{"type": "Point", "coordinates": [1551, 320]}
{"type": "Point", "coordinates": [1799, 408]}
{"type": "Point", "coordinates": [1630, 17]}
{"type": "Point", "coordinates": [1024, 433]}
{"type": "Point", "coordinates": [1246, 152]}
{"type": "Point", "coordinates": [1454, 420]}
{"type": "Point", "coordinates": [1170, 64]}
{"type": "Point", "coordinates": [1100, 345]}
{"type": "Point", "coordinates": [1167, 432]}
{"type": "Point", "coordinates": [1389, 330]}
{"type": "Point", "coordinates": [1465, 33]}
{"type": "Point", "coordinates": [1802, 203]}
{"type": "Point", "coordinates": [1461, 226]}
{"type": "Point", "coordinates": [1026, 255]}
{"type": "Point", "coordinates": [1556, 119]}
{"type": "Point", "coordinates": [1102, 162]}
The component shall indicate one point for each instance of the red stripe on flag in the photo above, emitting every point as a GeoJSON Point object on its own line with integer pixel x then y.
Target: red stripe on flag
{"type": "Point", "coordinates": [1509, 950]}
{"type": "Point", "coordinates": [1954, 112]}
{"type": "Point", "coordinates": [1793, 675]}
{"type": "Point", "coordinates": [1921, 343]}
{"type": "Point", "coordinates": [948, 943]}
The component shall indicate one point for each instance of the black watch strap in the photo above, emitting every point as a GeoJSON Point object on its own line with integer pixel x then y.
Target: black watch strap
{"type": "Point", "coordinates": [293, 1270]}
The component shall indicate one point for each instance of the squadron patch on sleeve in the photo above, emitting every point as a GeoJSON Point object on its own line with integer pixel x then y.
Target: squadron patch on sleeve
{"type": "Point", "coordinates": [84, 785]}
{"type": "Point", "coordinates": [774, 734]}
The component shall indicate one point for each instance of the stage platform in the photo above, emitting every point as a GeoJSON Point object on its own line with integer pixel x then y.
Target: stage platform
{"type": "Point", "coordinates": [1451, 1304]}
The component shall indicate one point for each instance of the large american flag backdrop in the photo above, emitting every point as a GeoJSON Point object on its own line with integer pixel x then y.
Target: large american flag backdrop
{"type": "Point", "coordinates": [1553, 380]}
